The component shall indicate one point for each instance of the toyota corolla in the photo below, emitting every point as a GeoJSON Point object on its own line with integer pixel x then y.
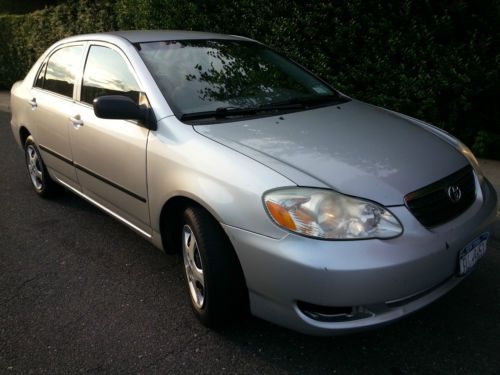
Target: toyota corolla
{"type": "Point", "coordinates": [285, 197]}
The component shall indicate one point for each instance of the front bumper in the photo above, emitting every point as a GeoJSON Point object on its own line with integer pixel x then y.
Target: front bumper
{"type": "Point", "coordinates": [387, 278]}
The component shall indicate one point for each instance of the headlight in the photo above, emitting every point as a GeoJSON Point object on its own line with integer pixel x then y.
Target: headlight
{"type": "Point", "coordinates": [472, 160]}
{"type": "Point", "coordinates": [329, 215]}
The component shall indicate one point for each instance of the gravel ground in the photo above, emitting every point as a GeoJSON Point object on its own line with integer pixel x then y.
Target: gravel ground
{"type": "Point", "coordinates": [81, 293]}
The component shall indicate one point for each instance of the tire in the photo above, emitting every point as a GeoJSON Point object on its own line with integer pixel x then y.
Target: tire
{"type": "Point", "coordinates": [37, 171]}
{"type": "Point", "coordinates": [218, 293]}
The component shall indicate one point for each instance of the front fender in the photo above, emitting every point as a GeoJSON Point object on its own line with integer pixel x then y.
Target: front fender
{"type": "Point", "coordinates": [230, 185]}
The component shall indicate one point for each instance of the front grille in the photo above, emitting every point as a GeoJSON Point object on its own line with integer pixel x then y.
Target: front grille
{"type": "Point", "coordinates": [432, 204]}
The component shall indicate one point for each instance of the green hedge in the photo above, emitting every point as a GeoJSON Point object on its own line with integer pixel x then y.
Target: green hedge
{"type": "Point", "coordinates": [23, 38]}
{"type": "Point", "coordinates": [437, 61]}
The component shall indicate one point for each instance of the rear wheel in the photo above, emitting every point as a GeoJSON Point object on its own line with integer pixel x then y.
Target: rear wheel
{"type": "Point", "coordinates": [40, 178]}
{"type": "Point", "coordinates": [214, 277]}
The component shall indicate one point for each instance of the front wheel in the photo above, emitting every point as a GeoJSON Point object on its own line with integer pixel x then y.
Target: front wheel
{"type": "Point", "coordinates": [213, 273]}
{"type": "Point", "coordinates": [40, 178]}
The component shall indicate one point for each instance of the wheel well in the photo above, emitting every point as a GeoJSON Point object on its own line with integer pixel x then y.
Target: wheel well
{"type": "Point", "coordinates": [170, 220]}
{"type": "Point", "coordinates": [23, 135]}
{"type": "Point", "coordinates": [171, 234]}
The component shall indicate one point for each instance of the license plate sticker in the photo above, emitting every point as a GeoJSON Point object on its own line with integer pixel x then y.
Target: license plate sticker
{"type": "Point", "coordinates": [471, 253]}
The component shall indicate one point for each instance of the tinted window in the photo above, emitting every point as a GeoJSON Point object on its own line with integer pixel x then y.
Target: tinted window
{"type": "Point", "coordinates": [61, 70]}
{"type": "Point", "coordinates": [204, 75]}
{"type": "Point", "coordinates": [106, 73]}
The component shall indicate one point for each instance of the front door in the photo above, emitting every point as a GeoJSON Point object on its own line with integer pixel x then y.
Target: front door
{"type": "Point", "coordinates": [110, 155]}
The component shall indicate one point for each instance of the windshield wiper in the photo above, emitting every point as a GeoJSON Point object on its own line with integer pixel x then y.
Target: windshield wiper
{"type": "Point", "coordinates": [221, 112]}
{"type": "Point", "coordinates": [224, 112]}
{"type": "Point", "coordinates": [307, 101]}
{"type": "Point", "coordinates": [290, 104]}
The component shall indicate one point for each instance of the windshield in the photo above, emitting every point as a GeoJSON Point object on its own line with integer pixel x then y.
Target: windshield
{"type": "Point", "coordinates": [209, 76]}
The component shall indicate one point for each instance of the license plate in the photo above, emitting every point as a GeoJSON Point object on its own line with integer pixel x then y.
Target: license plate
{"type": "Point", "coordinates": [471, 253]}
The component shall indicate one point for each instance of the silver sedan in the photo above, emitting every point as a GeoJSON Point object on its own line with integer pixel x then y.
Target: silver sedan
{"type": "Point", "coordinates": [285, 197]}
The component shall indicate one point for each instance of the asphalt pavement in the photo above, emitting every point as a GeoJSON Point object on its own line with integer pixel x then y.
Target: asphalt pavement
{"type": "Point", "coordinates": [81, 293]}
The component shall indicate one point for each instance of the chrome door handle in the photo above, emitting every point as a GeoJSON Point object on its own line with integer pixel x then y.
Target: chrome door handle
{"type": "Point", "coordinates": [33, 103]}
{"type": "Point", "coordinates": [76, 121]}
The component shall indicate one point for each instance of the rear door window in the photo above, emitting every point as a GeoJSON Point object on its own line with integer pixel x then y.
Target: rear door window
{"type": "Point", "coordinates": [62, 68]}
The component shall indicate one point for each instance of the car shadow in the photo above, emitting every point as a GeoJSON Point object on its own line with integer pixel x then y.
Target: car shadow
{"type": "Point", "coordinates": [463, 324]}
{"type": "Point", "coordinates": [70, 200]}
{"type": "Point", "coordinates": [440, 338]}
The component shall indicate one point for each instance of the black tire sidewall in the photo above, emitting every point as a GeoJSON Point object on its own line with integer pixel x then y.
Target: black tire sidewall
{"type": "Point", "coordinates": [190, 219]}
{"type": "Point", "coordinates": [224, 287]}
{"type": "Point", "coordinates": [49, 187]}
{"type": "Point", "coordinates": [30, 142]}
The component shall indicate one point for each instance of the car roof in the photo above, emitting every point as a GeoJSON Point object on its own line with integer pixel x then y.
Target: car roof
{"type": "Point", "coordinates": [140, 36]}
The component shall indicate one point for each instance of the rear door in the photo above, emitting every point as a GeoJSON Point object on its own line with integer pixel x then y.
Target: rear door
{"type": "Point", "coordinates": [110, 155]}
{"type": "Point", "coordinates": [53, 106]}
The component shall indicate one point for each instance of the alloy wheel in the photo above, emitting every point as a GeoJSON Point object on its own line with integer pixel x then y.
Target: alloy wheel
{"type": "Point", "coordinates": [34, 167]}
{"type": "Point", "coordinates": [193, 266]}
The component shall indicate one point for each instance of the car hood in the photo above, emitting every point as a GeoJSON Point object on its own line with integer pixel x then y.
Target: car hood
{"type": "Point", "coordinates": [354, 148]}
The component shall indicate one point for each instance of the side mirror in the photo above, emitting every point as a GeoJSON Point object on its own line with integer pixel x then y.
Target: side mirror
{"type": "Point", "coordinates": [120, 107]}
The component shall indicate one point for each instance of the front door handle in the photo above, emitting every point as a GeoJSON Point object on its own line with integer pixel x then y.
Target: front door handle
{"type": "Point", "coordinates": [33, 103]}
{"type": "Point", "coordinates": [76, 121]}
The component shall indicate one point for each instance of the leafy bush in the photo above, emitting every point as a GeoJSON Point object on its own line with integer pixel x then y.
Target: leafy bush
{"type": "Point", "coordinates": [23, 38]}
{"type": "Point", "coordinates": [437, 61]}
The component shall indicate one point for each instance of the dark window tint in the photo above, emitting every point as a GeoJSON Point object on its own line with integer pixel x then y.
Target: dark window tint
{"type": "Point", "coordinates": [61, 70]}
{"type": "Point", "coordinates": [106, 73]}
{"type": "Point", "coordinates": [41, 76]}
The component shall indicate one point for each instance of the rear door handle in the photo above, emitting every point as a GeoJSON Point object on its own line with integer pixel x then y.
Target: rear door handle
{"type": "Point", "coordinates": [33, 103]}
{"type": "Point", "coordinates": [76, 121]}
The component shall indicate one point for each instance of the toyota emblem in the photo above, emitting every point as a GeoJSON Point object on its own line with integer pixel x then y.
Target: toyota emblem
{"type": "Point", "coordinates": [454, 193]}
